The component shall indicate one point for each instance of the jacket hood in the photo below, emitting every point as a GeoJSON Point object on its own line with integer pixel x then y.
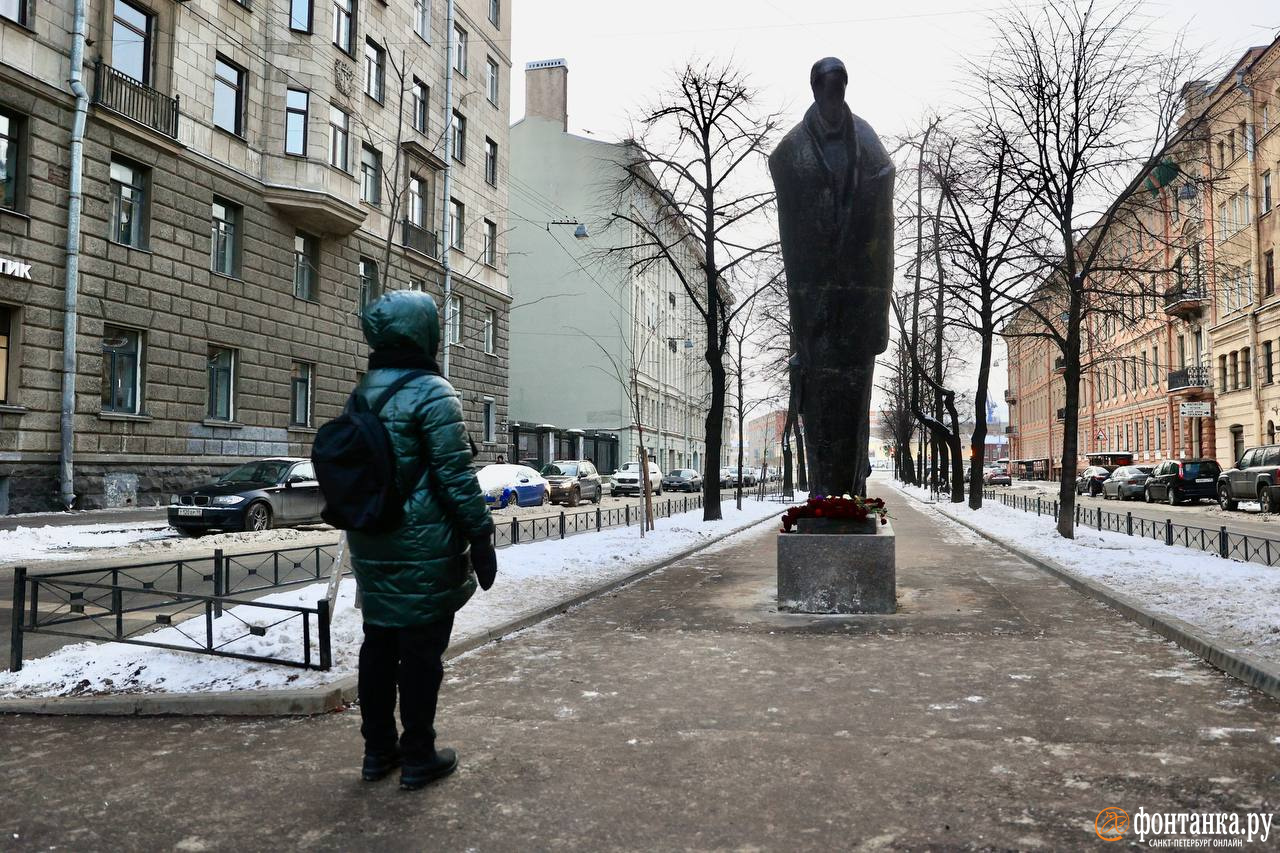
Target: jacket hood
{"type": "Point", "coordinates": [403, 320]}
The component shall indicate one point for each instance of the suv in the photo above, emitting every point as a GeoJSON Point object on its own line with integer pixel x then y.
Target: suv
{"type": "Point", "coordinates": [1176, 480]}
{"type": "Point", "coordinates": [1254, 477]}
{"type": "Point", "coordinates": [570, 481]}
{"type": "Point", "coordinates": [626, 480]}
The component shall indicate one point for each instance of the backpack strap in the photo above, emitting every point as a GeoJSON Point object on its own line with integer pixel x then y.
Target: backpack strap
{"type": "Point", "coordinates": [395, 386]}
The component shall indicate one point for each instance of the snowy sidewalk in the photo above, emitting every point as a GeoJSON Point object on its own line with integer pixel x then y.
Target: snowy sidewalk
{"type": "Point", "coordinates": [998, 710]}
{"type": "Point", "coordinates": [1234, 603]}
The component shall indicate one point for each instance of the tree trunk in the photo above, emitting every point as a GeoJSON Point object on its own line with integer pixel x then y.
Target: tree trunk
{"type": "Point", "coordinates": [978, 441]}
{"type": "Point", "coordinates": [741, 449]}
{"type": "Point", "coordinates": [1071, 421]}
{"type": "Point", "coordinates": [713, 437]}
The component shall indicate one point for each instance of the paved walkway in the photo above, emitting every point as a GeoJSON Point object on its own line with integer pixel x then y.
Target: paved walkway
{"type": "Point", "coordinates": [999, 709]}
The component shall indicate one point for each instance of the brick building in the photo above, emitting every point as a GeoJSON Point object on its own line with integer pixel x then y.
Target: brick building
{"type": "Point", "coordinates": [251, 174]}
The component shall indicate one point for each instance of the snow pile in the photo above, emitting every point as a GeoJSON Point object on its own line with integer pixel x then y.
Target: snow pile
{"type": "Point", "coordinates": [1237, 603]}
{"type": "Point", "coordinates": [531, 577]}
{"type": "Point", "coordinates": [54, 542]}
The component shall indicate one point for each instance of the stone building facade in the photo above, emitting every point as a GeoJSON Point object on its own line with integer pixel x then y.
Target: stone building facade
{"type": "Point", "coordinates": [252, 175]}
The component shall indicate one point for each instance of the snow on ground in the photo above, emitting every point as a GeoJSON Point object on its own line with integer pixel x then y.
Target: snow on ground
{"type": "Point", "coordinates": [1237, 603]}
{"type": "Point", "coordinates": [530, 577]}
{"type": "Point", "coordinates": [55, 542]}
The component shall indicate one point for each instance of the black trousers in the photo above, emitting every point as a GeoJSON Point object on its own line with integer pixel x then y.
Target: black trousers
{"type": "Point", "coordinates": [408, 659]}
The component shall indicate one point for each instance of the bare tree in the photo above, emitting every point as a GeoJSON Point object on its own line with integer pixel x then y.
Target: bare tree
{"type": "Point", "coordinates": [697, 150]}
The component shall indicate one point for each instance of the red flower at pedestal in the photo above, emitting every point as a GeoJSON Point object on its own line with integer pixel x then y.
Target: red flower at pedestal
{"type": "Point", "coordinates": [852, 508]}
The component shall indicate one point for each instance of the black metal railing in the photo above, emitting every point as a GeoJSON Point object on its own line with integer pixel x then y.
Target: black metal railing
{"type": "Point", "coordinates": [1062, 414]}
{"type": "Point", "coordinates": [1010, 396]}
{"type": "Point", "coordinates": [1224, 543]}
{"type": "Point", "coordinates": [1059, 365]}
{"type": "Point", "coordinates": [419, 239]}
{"type": "Point", "coordinates": [1183, 296]}
{"type": "Point", "coordinates": [1189, 377]}
{"type": "Point", "coordinates": [134, 100]}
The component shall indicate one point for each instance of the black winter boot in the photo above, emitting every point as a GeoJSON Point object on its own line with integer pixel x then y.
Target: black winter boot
{"type": "Point", "coordinates": [378, 764]}
{"type": "Point", "coordinates": [415, 776]}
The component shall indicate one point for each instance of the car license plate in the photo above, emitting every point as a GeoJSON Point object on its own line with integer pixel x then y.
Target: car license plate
{"type": "Point", "coordinates": [1204, 480]}
{"type": "Point", "coordinates": [189, 510]}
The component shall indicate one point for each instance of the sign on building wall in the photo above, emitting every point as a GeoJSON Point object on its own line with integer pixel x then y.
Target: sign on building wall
{"type": "Point", "coordinates": [15, 268]}
{"type": "Point", "coordinates": [1195, 410]}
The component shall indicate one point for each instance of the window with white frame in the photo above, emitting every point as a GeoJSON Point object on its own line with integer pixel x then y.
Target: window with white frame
{"type": "Point", "coordinates": [306, 264]}
{"type": "Point", "coordinates": [339, 138]}
{"type": "Point", "coordinates": [375, 70]}
{"type": "Point", "coordinates": [417, 212]}
{"type": "Point", "coordinates": [421, 104]}
{"type": "Point", "coordinates": [457, 223]}
{"type": "Point", "coordinates": [368, 282]}
{"type": "Point", "coordinates": [128, 203]}
{"type": "Point", "coordinates": [490, 331]}
{"type": "Point", "coordinates": [121, 370]}
{"type": "Point", "coordinates": [459, 137]}
{"type": "Point", "coordinates": [422, 18]}
{"type": "Point", "coordinates": [370, 175]}
{"type": "Point", "coordinates": [221, 382]}
{"type": "Point", "coordinates": [491, 79]}
{"type": "Point", "coordinates": [490, 243]}
{"type": "Point", "coordinates": [344, 14]}
{"type": "Point", "coordinates": [490, 162]}
{"type": "Point", "coordinates": [225, 237]}
{"type": "Point", "coordinates": [460, 50]}
{"type": "Point", "coordinates": [453, 320]}
{"type": "Point", "coordinates": [18, 11]}
{"type": "Point", "coordinates": [301, 376]}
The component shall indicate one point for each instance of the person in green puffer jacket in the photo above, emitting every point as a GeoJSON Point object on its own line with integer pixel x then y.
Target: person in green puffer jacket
{"type": "Point", "coordinates": [413, 579]}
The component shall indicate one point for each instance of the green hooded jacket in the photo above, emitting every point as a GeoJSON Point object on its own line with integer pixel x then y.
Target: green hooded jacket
{"type": "Point", "coordinates": [418, 573]}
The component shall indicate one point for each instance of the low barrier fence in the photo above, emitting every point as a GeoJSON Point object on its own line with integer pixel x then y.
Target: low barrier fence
{"type": "Point", "coordinates": [1224, 543]}
{"type": "Point", "coordinates": [127, 603]}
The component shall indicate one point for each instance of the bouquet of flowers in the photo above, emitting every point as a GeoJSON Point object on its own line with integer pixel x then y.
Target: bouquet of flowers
{"type": "Point", "coordinates": [852, 508]}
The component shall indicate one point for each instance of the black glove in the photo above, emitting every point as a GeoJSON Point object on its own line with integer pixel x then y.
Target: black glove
{"type": "Point", "coordinates": [484, 560]}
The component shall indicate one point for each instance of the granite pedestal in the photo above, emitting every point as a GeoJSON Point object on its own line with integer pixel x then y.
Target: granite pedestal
{"type": "Point", "coordinates": [825, 572]}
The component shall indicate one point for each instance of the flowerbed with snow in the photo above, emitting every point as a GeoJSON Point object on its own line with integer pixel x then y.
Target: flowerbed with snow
{"type": "Point", "coordinates": [1235, 602]}
{"type": "Point", "coordinates": [531, 577]}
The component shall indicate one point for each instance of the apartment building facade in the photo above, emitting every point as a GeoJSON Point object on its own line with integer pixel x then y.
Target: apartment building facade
{"type": "Point", "coordinates": [585, 321]}
{"type": "Point", "coordinates": [252, 175]}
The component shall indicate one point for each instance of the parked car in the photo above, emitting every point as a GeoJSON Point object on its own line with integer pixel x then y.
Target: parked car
{"type": "Point", "coordinates": [258, 495]}
{"type": "Point", "coordinates": [997, 477]}
{"type": "Point", "coordinates": [1254, 477]}
{"type": "Point", "coordinates": [1091, 479]}
{"type": "Point", "coordinates": [682, 480]}
{"type": "Point", "coordinates": [626, 480]}
{"type": "Point", "coordinates": [1127, 482]}
{"type": "Point", "coordinates": [748, 477]}
{"type": "Point", "coordinates": [572, 481]}
{"type": "Point", "coordinates": [1177, 480]}
{"type": "Point", "coordinates": [506, 484]}
{"type": "Point", "coordinates": [727, 477]}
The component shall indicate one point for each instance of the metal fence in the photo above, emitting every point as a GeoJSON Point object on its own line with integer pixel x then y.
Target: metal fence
{"type": "Point", "coordinates": [1227, 544]}
{"type": "Point", "coordinates": [125, 603]}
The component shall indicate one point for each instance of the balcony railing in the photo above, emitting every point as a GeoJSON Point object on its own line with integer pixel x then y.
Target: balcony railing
{"type": "Point", "coordinates": [1062, 414]}
{"type": "Point", "coordinates": [1010, 396]}
{"type": "Point", "coordinates": [420, 239]}
{"type": "Point", "coordinates": [121, 94]}
{"type": "Point", "coordinates": [1059, 365]}
{"type": "Point", "coordinates": [1189, 377]}
{"type": "Point", "coordinates": [1179, 300]}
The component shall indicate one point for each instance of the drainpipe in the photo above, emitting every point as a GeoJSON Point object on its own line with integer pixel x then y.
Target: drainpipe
{"type": "Point", "coordinates": [447, 231]}
{"type": "Point", "coordinates": [66, 472]}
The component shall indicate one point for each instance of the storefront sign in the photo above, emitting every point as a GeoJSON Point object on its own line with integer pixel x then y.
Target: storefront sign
{"type": "Point", "coordinates": [15, 268]}
{"type": "Point", "coordinates": [1195, 410]}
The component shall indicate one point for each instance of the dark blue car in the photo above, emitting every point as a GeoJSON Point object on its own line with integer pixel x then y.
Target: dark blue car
{"type": "Point", "coordinates": [505, 484]}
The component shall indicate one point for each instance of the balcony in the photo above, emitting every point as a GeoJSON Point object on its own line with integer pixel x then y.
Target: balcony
{"type": "Point", "coordinates": [137, 102]}
{"type": "Point", "coordinates": [1010, 396]}
{"type": "Point", "coordinates": [1062, 414]}
{"type": "Point", "coordinates": [419, 239]}
{"type": "Point", "coordinates": [1059, 365]}
{"type": "Point", "coordinates": [1011, 429]}
{"type": "Point", "coordinates": [1189, 379]}
{"type": "Point", "coordinates": [1186, 303]}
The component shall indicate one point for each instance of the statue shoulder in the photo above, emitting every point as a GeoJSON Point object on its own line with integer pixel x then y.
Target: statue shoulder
{"type": "Point", "coordinates": [869, 143]}
{"type": "Point", "coordinates": [786, 150]}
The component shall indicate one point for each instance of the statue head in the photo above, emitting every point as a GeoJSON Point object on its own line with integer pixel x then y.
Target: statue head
{"type": "Point", "coordinates": [828, 79]}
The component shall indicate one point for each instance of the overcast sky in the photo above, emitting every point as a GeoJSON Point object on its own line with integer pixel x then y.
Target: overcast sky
{"type": "Point", "coordinates": [904, 57]}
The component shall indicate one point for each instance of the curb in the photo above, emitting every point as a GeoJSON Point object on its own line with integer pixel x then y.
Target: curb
{"type": "Point", "coordinates": [331, 697]}
{"type": "Point", "coordinates": [1263, 675]}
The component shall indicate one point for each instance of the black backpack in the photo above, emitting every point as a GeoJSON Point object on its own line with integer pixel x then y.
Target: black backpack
{"type": "Point", "coordinates": [356, 465]}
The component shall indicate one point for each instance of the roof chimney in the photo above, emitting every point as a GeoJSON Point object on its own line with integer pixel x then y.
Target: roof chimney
{"type": "Point", "coordinates": [546, 91]}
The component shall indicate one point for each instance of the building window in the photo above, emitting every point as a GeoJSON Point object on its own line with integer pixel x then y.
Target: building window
{"type": "Point", "coordinates": [306, 266]}
{"type": "Point", "coordinates": [339, 131]}
{"type": "Point", "coordinates": [121, 373]}
{"type": "Point", "coordinates": [417, 201]}
{"type": "Point", "coordinates": [491, 162]}
{"type": "Point", "coordinates": [422, 18]}
{"type": "Point", "coordinates": [421, 103]}
{"type": "Point", "coordinates": [453, 320]}
{"type": "Point", "coordinates": [296, 107]}
{"type": "Point", "coordinates": [1268, 367]}
{"type": "Point", "coordinates": [459, 137]}
{"type": "Point", "coordinates": [368, 282]}
{"type": "Point", "coordinates": [228, 96]}
{"type": "Point", "coordinates": [491, 80]}
{"type": "Point", "coordinates": [15, 10]}
{"type": "Point", "coordinates": [1246, 368]}
{"type": "Point", "coordinates": [490, 331]}
{"type": "Point", "coordinates": [457, 223]}
{"type": "Point", "coordinates": [370, 175]}
{"type": "Point", "coordinates": [490, 243]}
{"type": "Point", "coordinates": [300, 394]}
{"type": "Point", "coordinates": [300, 15]}
{"type": "Point", "coordinates": [344, 13]}
{"type": "Point", "coordinates": [128, 203]}
{"type": "Point", "coordinates": [10, 157]}
{"type": "Point", "coordinates": [490, 421]}
{"type": "Point", "coordinates": [131, 38]}
{"type": "Point", "coordinates": [226, 237]}
{"type": "Point", "coordinates": [222, 364]}
{"type": "Point", "coordinates": [1266, 192]}
{"type": "Point", "coordinates": [495, 12]}
{"type": "Point", "coordinates": [7, 317]}
{"type": "Point", "coordinates": [460, 50]}
{"type": "Point", "coordinates": [375, 70]}
{"type": "Point", "coordinates": [1222, 373]}
{"type": "Point", "coordinates": [1269, 273]}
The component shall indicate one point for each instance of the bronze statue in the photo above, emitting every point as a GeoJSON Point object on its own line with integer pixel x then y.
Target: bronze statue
{"type": "Point", "coordinates": [835, 217]}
